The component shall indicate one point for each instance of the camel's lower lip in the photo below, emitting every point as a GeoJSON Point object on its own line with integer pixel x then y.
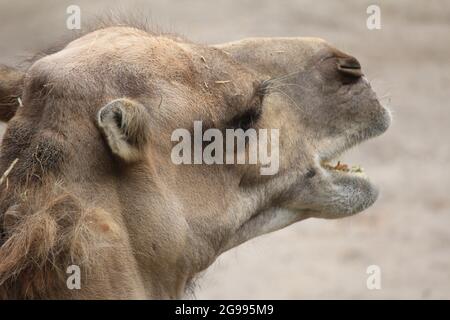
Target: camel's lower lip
{"type": "Point", "coordinates": [350, 189]}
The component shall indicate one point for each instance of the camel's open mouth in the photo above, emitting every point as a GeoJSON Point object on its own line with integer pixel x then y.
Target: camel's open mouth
{"type": "Point", "coordinates": [338, 169]}
{"type": "Point", "coordinates": [344, 168]}
{"type": "Point", "coordinates": [346, 189]}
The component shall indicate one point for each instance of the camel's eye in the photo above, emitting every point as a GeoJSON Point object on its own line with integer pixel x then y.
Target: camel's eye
{"type": "Point", "coordinates": [249, 117]}
{"type": "Point", "coordinates": [246, 120]}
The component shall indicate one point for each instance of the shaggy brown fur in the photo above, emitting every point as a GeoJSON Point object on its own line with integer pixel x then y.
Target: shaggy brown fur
{"type": "Point", "coordinates": [42, 233]}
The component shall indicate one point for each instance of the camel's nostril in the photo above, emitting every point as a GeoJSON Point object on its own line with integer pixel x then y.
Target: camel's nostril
{"type": "Point", "coordinates": [349, 67]}
{"type": "Point", "coordinates": [349, 62]}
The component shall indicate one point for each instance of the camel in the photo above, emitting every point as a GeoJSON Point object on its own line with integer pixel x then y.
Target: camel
{"type": "Point", "coordinates": [87, 177]}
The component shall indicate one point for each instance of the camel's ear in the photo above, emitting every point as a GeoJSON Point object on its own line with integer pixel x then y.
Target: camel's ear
{"type": "Point", "coordinates": [10, 91]}
{"type": "Point", "coordinates": [125, 124]}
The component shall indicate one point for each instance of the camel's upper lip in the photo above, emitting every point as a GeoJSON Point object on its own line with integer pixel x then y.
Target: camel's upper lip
{"type": "Point", "coordinates": [340, 145]}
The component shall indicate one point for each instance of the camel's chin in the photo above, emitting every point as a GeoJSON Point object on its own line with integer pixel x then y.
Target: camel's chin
{"type": "Point", "coordinates": [351, 193]}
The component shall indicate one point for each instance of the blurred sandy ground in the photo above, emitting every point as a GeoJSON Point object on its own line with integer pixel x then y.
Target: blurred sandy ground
{"type": "Point", "coordinates": [407, 232]}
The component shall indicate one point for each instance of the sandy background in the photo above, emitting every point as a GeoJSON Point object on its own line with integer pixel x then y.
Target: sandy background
{"type": "Point", "coordinates": [407, 232]}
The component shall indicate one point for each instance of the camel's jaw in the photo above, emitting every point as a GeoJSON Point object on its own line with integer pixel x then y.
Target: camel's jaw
{"type": "Point", "coordinates": [349, 189]}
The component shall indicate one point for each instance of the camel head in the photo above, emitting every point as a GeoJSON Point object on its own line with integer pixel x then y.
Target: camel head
{"type": "Point", "coordinates": [88, 155]}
